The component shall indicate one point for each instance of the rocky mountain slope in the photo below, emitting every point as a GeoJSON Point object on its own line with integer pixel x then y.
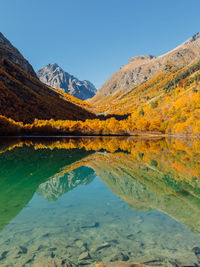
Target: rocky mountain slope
{"type": "Point", "coordinates": [24, 98]}
{"type": "Point", "coordinates": [8, 51]}
{"type": "Point", "coordinates": [141, 68]}
{"type": "Point", "coordinates": [57, 78]}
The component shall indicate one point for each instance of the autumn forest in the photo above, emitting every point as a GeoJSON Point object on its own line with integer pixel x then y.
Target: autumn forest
{"type": "Point", "coordinates": [163, 99]}
{"type": "Point", "coordinates": [168, 103]}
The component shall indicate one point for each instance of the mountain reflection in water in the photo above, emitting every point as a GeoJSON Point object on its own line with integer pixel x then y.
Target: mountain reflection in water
{"type": "Point", "coordinates": [156, 174]}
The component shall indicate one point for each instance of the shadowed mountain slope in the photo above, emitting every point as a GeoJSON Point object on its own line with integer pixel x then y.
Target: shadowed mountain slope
{"type": "Point", "coordinates": [8, 51]}
{"type": "Point", "coordinates": [24, 98]}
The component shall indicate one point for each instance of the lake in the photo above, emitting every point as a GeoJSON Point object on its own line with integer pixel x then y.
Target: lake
{"type": "Point", "coordinates": [82, 201]}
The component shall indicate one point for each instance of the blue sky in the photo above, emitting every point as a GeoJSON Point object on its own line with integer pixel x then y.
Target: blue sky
{"type": "Point", "coordinates": [91, 39]}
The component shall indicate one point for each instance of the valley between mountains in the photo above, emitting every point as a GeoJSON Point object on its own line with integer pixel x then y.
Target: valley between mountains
{"type": "Point", "coordinates": [149, 95]}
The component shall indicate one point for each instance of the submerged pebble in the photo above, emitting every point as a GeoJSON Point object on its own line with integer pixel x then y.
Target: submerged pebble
{"type": "Point", "coordinates": [3, 255]}
{"type": "Point", "coordinates": [196, 250]}
{"type": "Point", "coordinates": [119, 257]}
{"type": "Point", "coordinates": [93, 225]}
{"type": "Point", "coordinates": [102, 246]}
{"type": "Point", "coordinates": [79, 243]}
{"type": "Point", "coordinates": [84, 256]}
{"type": "Point", "coordinates": [22, 250]}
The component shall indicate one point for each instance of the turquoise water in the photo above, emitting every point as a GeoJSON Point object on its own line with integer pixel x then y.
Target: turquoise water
{"type": "Point", "coordinates": [80, 206]}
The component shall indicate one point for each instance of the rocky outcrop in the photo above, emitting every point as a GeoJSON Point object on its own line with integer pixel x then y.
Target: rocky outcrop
{"type": "Point", "coordinates": [9, 52]}
{"type": "Point", "coordinates": [192, 39]}
{"type": "Point", "coordinates": [56, 77]}
{"type": "Point", "coordinates": [142, 59]}
{"type": "Point", "coordinates": [141, 68]}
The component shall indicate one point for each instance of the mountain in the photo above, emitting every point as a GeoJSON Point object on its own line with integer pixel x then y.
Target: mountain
{"type": "Point", "coordinates": [141, 68]}
{"type": "Point", "coordinates": [8, 51]}
{"type": "Point", "coordinates": [56, 77]}
{"type": "Point", "coordinates": [24, 98]}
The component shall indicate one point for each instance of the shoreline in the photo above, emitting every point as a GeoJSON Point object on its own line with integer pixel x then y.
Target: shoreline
{"type": "Point", "coordinates": [143, 135]}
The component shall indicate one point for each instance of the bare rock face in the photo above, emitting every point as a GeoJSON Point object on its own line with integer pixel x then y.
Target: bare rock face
{"type": "Point", "coordinates": [9, 52]}
{"type": "Point", "coordinates": [57, 78]}
{"type": "Point", "coordinates": [192, 39]}
{"type": "Point", "coordinates": [141, 68]}
{"type": "Point", "coordinates": [143, 58]}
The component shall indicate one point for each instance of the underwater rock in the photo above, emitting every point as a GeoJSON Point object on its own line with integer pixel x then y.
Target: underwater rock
{"type": "Point", "coordinates": [114, 241]}
{"type": "Point", "coordinates": [20, 251]}
{"type": "Point", "coordinates": [131, 236]}
{"type": "Point", "coordinates": [79, 243]}
{"type": "Point", "coordinates": [119, 257]}
{"type": "Point", "coordinates": [93, 225]}
{"type": "Point", "coordinates": [29, 261]}
{"type": "Point", "coordinates": [52, 255]}
{"type": "Point", "coordinates": [102, 246]}
{"type": "Point", "coordinates": [84, 256]}
{"type": "Point", "coordinates": [151, 260]}
{"type": "Point", "coordinates": [46, 235]}
{"type": "Point", "coordinates": [41, 247]}
{"type": "Point", "coordinates": [3, 255]}
{"type": "Point", "coordinates": [53, 263]}
{"type": "Point", "coordinates": [86, 263]}
{"type": "Point", "coordinates": [52, 249]}
{"type": "Point", "coordinates": [23, 250]}
{"type": "Point", "coordinates": [196, 250]}
{"type": "Point", "coordinates": [124, 264]}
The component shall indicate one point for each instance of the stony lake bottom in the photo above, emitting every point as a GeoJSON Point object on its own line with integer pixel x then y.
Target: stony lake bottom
{"type": "Point", "coordinates": [81, 201]}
